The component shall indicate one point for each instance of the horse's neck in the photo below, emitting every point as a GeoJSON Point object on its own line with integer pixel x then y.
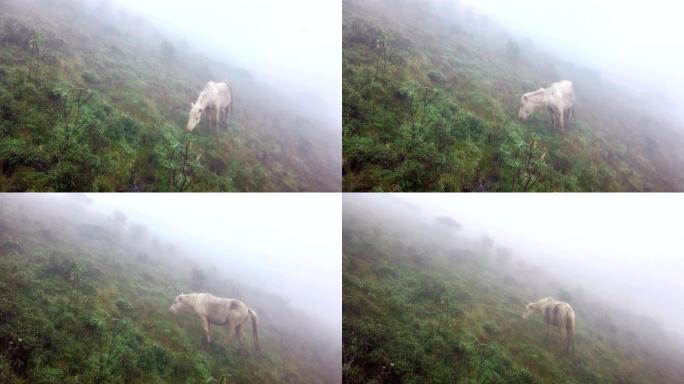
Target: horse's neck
{"type": "Point", "coordinates": [537, 98]}
{"type": "Point", "coordinates": [193, 300]}
{"type": "Point", "coordinates": [202, 100]}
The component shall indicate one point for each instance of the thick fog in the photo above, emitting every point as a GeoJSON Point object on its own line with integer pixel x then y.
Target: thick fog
{"type": "Point", "coordinates": [634, 42]}
{"type": "Point", "coordinates": [292, 45]}
{"type": "Point", "coordinates": [288, 245]}
{"type": "Point", "coordinates": [624, 249]}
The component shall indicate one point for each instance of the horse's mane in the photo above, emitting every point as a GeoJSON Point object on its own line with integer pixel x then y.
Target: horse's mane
{"type": "Point", "coordinates": [193, 297]}
{"type": "Point", "coordinates": [536, 93]}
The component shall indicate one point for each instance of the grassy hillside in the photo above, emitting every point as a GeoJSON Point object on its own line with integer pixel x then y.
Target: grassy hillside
{"type": "Point", "coordinates": [430, 97]}
{"type": "Point", "coordinates": [94, 99]}
{"type": "Point", "coordinates": [85, 300]}
{"type": "Point", "coordinates": [421, 309]}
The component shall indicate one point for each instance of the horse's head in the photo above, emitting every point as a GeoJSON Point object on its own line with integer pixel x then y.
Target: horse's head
{"type": "Point", "coordinates": [178, 304]}
{"type": "Point", "coordinates": [525, 109]}
{"type": "Point", "coordinates": [195, 115]}
{"type": "Point", "coordinates": [528, 311]}
{"type": "Point", "coordinates": [528, 103]}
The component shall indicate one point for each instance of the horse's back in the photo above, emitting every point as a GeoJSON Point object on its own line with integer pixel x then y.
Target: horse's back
{"type": "Point", "coordinates": [219, 309]}
{"type": "Point", "coordinates": [565, 91]}
{"type": "Point", "coordinates": [219, 94]}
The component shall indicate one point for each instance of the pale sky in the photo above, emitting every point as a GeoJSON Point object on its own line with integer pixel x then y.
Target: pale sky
{"type": "Point", "coordinates": [294, 42]}
{"type": "Point", "coordinates": [634, 39]}
{"type": "Point", "coordinates": [289, 245]}
{"type": "Point", "coordinates": [616, 246]}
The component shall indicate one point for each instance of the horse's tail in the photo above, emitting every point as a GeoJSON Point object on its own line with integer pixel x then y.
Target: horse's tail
{"type": "Point", "coordinates": [255, 327]}
{"type": "Point", "coordinates": [570, 330]}
{"type": "Point", "coordinates": [232, 96]}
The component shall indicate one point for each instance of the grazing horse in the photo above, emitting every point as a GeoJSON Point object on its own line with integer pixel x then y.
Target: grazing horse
{"type": "Point", "coordinates": [556, 313]}
{"type": "Point", "coordinates": [559, 99]}
{"type": "Point", "coordinates": [219, 311]}
{"type": "Point", "coordinates": [216, 100]}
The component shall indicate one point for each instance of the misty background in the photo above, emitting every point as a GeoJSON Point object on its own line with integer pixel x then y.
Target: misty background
{"type": "Point", "coordinates": [624, 250]}
{"type": "Point", "coordinates": [294, 46]}
{"type": "Point", "coordinates": [636, 44]}
{"type": "Point", "coordinates": [284, 244]}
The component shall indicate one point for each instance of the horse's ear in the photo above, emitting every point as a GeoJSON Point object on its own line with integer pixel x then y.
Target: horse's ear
{"type": "Point", "coordinates": [525, 98]}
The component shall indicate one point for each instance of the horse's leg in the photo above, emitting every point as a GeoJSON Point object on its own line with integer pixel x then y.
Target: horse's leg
{"type": "Point", "coordinates": [218, 118]}
{"type": "Point", "coordinates": [230, 332]}
{"type": "Point", "coordinates": [547, 331]}
{"type": "Point", "coordinates": [238, 331]}
{"type": "Point", "coordinates": [207, 330]}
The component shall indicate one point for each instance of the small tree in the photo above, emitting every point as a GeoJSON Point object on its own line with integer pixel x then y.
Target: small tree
{"type": "Point", "coordinates": [513, 50]}
{"type": "Point", "coordinates": [75, 277]}
{"type": "Point", "coordinates": [197, 278]}
{"type": "Point", "coordinates": [168, 50]}
{"type": "Point", "coordinates": [486, 244]}
{"type": "Point", "coordinates": [36, 41]}
{"type": "Point", "coordinates": [503, 255]}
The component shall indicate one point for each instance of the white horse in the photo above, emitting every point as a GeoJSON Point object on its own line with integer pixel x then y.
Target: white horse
{"type": "Point", "coordinates": [216, 100]}
{"type": "Point", "coordinates": [556, 313]}
{"type": "Point", "coordinates": [559, 99]}
{"type": "Point", "coordinates": [219, 311]}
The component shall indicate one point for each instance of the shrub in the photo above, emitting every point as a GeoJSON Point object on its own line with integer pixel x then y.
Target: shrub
{"type": "Point", "coordinates": [430, 289]}
{"type": "Point", "coordinates": [154, 359]}
{"type": "Point", "coordinates": [90, 77]}
{"type": "Point", "coordinates": [124, 305]}
{"type": "Point", "coordinates": [47, 375]}
{"type": "Point", "coordinates": [436, 76]}
{"type": "Point", "coordinates": [13, 32]}
{"type": "Point", "coordinates": [491, 328]}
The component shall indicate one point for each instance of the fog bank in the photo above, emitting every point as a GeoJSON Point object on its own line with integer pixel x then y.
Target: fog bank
{"type": "Point", "coordinates": [293, 45]}
{"type": "Point", "coordinates": [635, 43]}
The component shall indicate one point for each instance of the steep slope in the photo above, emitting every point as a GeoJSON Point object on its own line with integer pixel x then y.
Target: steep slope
{"type": "Point", "coordinates": [430, 98]}
{"type": "Point", "coordinates": [421, 309]}
{"type": "Point", "coordinates": [85, 300]}
{"type": "Point", "coordinates": [94, 99]}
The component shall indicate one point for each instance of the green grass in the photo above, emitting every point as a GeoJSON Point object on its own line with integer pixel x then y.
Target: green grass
{"type": "Point", "coordinates": [430, 104]}
{"type": "Point", "coordinates": [88, 303]}
{"type": "Point", "coordinates": [103, 107]}
{"type": "Point", "coordinates": [437, 310]}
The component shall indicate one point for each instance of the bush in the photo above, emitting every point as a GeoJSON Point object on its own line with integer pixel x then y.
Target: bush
{"type": "Point", "coordinates": [436, 76]}
{"type": "Point", "coordinates": [90, 78]}
{"type": "Point", "coordinates": [491, 328]}
{"type": "Point", "coordinates": [47, 375]}
{"type": "Point", "coordinates": [430, 289]}
{"type": "Point", "coordinates": [124, 305]}
{"type": "Point", "coordinates": [523, 376]}
{"type": "Point", "coordinates": [14, 32]}
{"type": "Point", "coordinates": [154, 359]}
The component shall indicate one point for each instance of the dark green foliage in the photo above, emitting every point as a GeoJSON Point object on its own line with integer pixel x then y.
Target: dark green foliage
{"type": "Point", "coordinates": [491, 328]}
{"type": "Point", "coordinates": [430, 104]}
